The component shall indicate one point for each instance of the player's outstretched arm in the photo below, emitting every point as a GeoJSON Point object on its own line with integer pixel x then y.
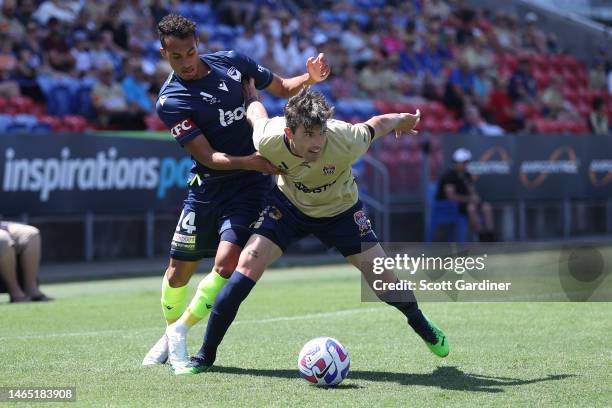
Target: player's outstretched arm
{"type": "Point", "coordinates": [317, 70]}
{"type": "Point", "coordinates": [203, 152]}
{"type": "Point", "coordinates": [399, 122]}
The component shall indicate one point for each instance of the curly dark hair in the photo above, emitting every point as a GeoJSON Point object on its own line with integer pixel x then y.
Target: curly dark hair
{"type": "Point", "coordinates": [175, 25]}
{"type": "Point", "coordinates": [307, 108]}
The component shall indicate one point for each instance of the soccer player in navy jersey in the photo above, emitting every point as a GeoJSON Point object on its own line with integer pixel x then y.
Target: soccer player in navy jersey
{"type": "Point", "coordinates": [202, 103]}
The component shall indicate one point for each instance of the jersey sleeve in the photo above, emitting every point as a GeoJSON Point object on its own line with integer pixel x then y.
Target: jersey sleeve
{"type": "Point", "coordinates": [357, 137]}
{"type": "Point", "coordinates": [177, 117]}
{"type": "Point", "coordinates": [262, 140]}
{"type": "Point", "coordinates": [261, 75]}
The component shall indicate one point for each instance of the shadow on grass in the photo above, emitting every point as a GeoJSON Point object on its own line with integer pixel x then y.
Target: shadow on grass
{"type": "Point", "coordinates": [446, 378]}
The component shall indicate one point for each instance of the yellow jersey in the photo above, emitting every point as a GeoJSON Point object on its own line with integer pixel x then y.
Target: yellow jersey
{"type": "Point", "coordinates": [324, 188]}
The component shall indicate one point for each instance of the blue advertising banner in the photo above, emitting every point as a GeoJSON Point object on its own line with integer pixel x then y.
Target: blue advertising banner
{"type": "Point", "coordinates": [72, 173]}
{"type": "Point", "coordinates": [537, 167]}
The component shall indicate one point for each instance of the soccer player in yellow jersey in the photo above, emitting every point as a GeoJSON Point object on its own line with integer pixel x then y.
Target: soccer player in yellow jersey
{"type": "Point", "coordinates": [316, 194]}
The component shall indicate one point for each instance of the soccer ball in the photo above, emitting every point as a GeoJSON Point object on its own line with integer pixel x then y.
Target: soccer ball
{"type": "Point", "coordinates": [324, 361]}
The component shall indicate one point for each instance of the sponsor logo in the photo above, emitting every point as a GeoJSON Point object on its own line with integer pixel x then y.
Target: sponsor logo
{"type": "Point", "coordinates": [106, 170]}
{"type": "Point", "coordinates": [223, 86]}
{"type": "Point", "coordinates": [598, 168]}
{"type": "Point", "coordinates": [542, 168]}
{"type": "Point", "coordinates": [226, 118]}
{"type": "Point", "coordinates": [362, 221]}
{"type": "Point", "coordinates": [271, 211]}
{"type": "Point", "coordinates": [181, 128]}
{"type": "Point", "coordinates": [494, 160]}
{"type": "Point", "coordinates": [260, 68]}
{"type": "Point", "coordinates": [303, 188]}
{"type": "Point", "coordinates": [329, 169]}
{"type": "Point", "coordinates": [162, 99]}
{"type": "Point", "coordinates": [185, 239]}
{"type": "Point", "coordinates": [209, 98]}
{"type": "Point", "coordinates": [233, 73]}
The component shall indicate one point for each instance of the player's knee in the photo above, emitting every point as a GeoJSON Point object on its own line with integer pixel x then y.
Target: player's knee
{"type": "Point", "coordinates": [176, 276]}
{"type": "Point", "coordinates": [225, 268]}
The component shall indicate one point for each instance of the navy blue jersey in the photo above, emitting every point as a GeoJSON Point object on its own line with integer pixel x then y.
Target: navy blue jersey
{"type": "Point", "coordinates": [213, 106]}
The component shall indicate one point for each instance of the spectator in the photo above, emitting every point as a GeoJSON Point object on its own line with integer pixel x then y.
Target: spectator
{"type": "Point", "coordinates": [437, 8]}
{"type": "Point", "coordinates": [10, 26]}
{"type": "Point", "coordinates": [554, 104]}
{"type": "Point", "coordinates": [57, 48]}
{"type": "Point", "coordinates": [62, 10]}
{"type": "Point", "coordinates": [251, 43]}
{"type": "Point", "coordinates": [111, 104]}
{"type": "Point", "coordinates": [285, 51]}
{"type": "Point", "coordinates": [25, 74]}
{"type": "Point", "coordinates": [501, 109]}
{"type": "Point", "coordinates": [598, 120]}
{"type": "Point", "coordinates": [533, 39]}
{"type": "Point", "coordinates": [506, 32]}
{"type": "Point", "coordinates": [135, 87]}
{"type": "Point", "coordinates": [20, 247]}
{"type": "Point", "coordinates": [522, 86]}
{"type": "Point", "coordinates": [456, 184]}
{"type": "Point", "coordinates": [597, 77]}
{"type": "Point", "coordinates": [460, 87]}
{"type": "Point", "coordinates": [476, 125]}
{"type": "Point", "coordinates": [8, 87]}
{"type": "Point", "coordinates": [26, 11]}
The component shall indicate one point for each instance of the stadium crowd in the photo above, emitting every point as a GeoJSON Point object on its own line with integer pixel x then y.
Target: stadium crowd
{"type": "Point", "coordinates": [72, 65]}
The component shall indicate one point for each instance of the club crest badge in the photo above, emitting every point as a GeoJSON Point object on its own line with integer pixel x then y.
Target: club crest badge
{"type": "Point", "coordinates": [362, 221]}
{"type": "Point", "coordinates": [329, 169]}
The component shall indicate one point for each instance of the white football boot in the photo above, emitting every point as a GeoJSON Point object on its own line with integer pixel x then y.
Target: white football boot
{"type": "Point", "coordinates": [158, 353]}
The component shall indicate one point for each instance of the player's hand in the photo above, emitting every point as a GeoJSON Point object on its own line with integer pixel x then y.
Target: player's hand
{"type": "Point", "coordinates": [249, 90]}
{"type": "Point", "coordinates": [259, 163]}
{"type": "Point", "coordinates": [318, 68]}
{"type": "Point", "coordinates": [407, 124]}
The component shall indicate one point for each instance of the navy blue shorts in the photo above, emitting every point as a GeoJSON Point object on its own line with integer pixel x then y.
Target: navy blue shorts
{"type": "Point", "coordinates": [218, 211]}
{"type": "Point", "coordinates": [282, 223]}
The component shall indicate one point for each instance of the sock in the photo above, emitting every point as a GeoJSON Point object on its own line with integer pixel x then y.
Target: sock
{"type": "Point", "coordinates": [409, 307]}
{"type": "Point", "coordinates": [201, 303]}
{"type": "Point", "coordinates": [206, 293]}
{"type": "Point", "coordinates": [173, 300]}
{"type": "Point", "coordinates": [223, 314]}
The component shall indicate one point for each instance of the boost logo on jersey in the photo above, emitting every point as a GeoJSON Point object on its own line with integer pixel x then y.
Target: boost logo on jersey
{"type": "Point", "coordinates": [181, 128]}
{"type": "Point", "coordinates": [226, 118]}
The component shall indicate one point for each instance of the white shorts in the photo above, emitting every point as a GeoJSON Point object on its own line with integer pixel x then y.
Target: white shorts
{"type": "Point", "coordinates": [16, 235]}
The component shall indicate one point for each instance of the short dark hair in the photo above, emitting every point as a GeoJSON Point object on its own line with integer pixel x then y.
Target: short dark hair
{"type": "Point", "coordinates": [175, 25]}
{"type": "Point", "coordinates": [307, 108]}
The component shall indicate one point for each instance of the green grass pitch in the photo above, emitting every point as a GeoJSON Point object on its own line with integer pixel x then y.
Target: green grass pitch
{"type": "Point", "coordinates": [94, 336]}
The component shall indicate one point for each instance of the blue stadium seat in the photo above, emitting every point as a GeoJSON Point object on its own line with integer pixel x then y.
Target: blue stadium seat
{"type": "Point", "coordinates": [60, 101]}
{"type": "Point", "coordinates": [82, 98]}
{"type": "Point", "coordinates": [445, 213]}
{"type": "Point", "coordinates": [5, 120]}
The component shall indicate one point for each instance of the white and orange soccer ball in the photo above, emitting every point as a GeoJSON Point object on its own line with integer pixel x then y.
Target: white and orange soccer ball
{"type": "Point", "coordinates": [324, 361]}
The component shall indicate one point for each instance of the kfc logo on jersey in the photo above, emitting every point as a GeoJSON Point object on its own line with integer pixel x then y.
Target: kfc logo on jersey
{"type": "Point", "coordinates": [329, 169]}
{"type": "Point", "coordinates": [181, 128]}
{"type": "Point", "coordinates": [226, 118]}
{"type": "Point", "coordinates": [233, 73]}
{"type": "Point", "coordinates": [362, 221]}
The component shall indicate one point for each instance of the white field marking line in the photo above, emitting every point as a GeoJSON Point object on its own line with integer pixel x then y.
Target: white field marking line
{"type": "Point", "coordinates": [238, 322]}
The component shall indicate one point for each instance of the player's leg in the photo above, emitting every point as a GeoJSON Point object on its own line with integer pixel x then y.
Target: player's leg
{"type": "Point", "coordinates": [352, 234]}
{"type": "Point", "coordinates": [405, 301]}
{"type": "Point", "coordinates": [193, 240]}
{"type": "Point", "coordinates": [235, 214]}
{"type": "Point", "coordinates": [258, 253]}
{"type": "Point", "coordinates": [226, 260]}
